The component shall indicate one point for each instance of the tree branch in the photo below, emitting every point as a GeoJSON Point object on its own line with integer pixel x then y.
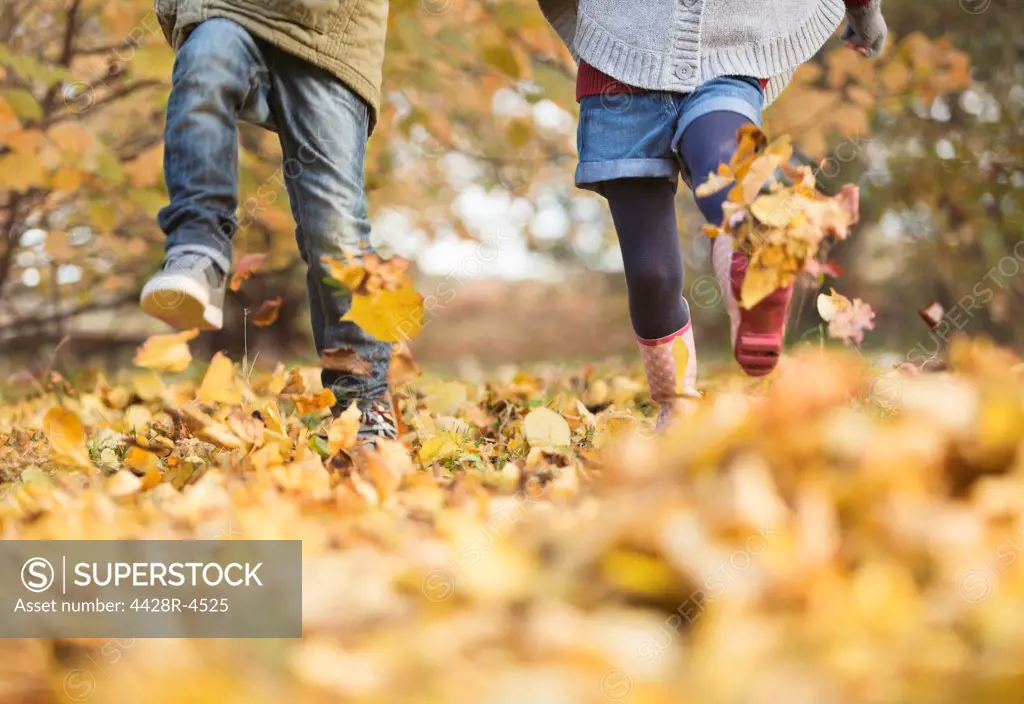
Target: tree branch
{"type": "Point", "coordinates": [66, 54]}
{"type": "Point", "coordinates": [114, 95]}
{"type": "Point", "coordinates": [7, 258]}
{"type": "Point", "coordinates": [130, 43]}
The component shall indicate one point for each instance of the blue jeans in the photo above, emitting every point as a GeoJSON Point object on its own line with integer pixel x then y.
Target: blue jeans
{"type": "Point", "coordinates": [223, 74]}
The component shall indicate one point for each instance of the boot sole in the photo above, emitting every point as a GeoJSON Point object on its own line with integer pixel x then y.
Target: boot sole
{"type": "Point", "coordinates": [181, 302]}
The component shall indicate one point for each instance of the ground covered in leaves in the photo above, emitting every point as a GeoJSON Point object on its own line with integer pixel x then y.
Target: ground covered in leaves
{"type": "Point", "coordinates": [834, 534]}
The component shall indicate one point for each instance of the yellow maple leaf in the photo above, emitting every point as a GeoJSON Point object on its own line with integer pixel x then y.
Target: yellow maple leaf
{"type": "Point", "coordinates": [167, 353]}
{"type": "Point", "coordinates": [390, 316]}
{"type": "Point", "coordinates": [67, 437]}
{"type": "Point", "coordinates": [219, 384]}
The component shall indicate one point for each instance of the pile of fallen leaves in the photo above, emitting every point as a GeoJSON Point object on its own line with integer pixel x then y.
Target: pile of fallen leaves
{"type": "Point", "coordinates": [779, 223]}
{"type": "Point", "coordinates": [527, 538]}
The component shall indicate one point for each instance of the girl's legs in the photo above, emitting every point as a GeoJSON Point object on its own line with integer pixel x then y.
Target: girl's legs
{"type": "Point", "coordinates": [757, 333]}
{"type": "Point", "coordinates": [643, 210]}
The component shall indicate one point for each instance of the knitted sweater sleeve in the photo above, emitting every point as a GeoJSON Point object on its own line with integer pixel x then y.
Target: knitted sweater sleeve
{"type": "Point", "coordinates": [561, 14]}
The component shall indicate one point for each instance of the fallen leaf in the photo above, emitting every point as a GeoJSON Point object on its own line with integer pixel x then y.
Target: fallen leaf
{"type": "Point", "coordinates": [775, 209]}
{"type": "Point", "coordinates": [144, 464]}
{"type": "Point", "coordinates": [545, 428]}
{"type": "Point", "coordinates": [713, 184]}
{"type": "Point", "coordinates": [387, 463]}
{"type": "Point", "coordinates": [826, 307]}
{"type": "Point", "coordinates": [403, 367]}
{"type": "Point", "coordinates": [123, 483]}
{"type": "Point", "coordinates": [246, 267]}
{"type": "Point", "coordinates": [345, 359]}
{"type": "Point", "coordinates": [67, 438]}
{"type": "Point", "coordinates": [348, 273]}
{"type": "Point", "coordinates": [267, 313]}
{"type": "Point", "coordinates": [343, 432]}
{"type": "Point", "coordinates": [446, 399]}
{"type": "Point", "coordinates": [758, 283]}
{"type": "Point", "coordinates": [389, 316]}
{"type": "Point", "coordinates": [167, 353]}
{"type": "Point", "coordinates": [849, 320]}
{"type": "Point", "coordinates": [443, 446]}
{"type": "Point", "coordinates": [219, 385]}
{"type": "Point", "coordinates": [307, 403]}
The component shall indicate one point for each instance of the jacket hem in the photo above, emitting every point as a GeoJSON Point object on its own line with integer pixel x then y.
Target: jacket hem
{"type": "Point", "coordinates": [778, 58]}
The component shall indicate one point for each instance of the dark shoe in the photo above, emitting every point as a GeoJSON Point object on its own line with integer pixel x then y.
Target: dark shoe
{"type": "Point", "coordinates": [378, 420]}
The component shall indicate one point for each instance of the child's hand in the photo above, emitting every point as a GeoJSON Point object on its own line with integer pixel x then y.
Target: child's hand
{"type": "Point", "coordinates": [865, 29]}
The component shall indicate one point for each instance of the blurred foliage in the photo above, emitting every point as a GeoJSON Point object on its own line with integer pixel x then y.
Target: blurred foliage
{"type": "Point", "coordinates": [822, 537]}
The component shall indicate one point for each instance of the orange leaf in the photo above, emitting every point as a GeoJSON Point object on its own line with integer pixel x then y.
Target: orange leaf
{"type": "Point", "coordinates": [246, 267]}
{"type": "Point", "coordinates": [307, 403]}
{"type": "Point", "coordinates": [344, 359]}
{"type": "Point", "coordinates": [267, 313]}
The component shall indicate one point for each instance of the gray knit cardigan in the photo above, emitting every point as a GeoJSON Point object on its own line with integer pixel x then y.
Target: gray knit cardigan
{"type": "Point", "coordinates": [676, 45]}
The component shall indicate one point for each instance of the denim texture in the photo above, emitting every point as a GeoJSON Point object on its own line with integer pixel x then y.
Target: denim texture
{"type": "Point", "coordinates": [639, 134]}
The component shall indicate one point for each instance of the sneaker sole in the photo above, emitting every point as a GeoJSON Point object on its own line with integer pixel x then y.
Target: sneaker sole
{"type": "Point", "coordinates": [181, 302]}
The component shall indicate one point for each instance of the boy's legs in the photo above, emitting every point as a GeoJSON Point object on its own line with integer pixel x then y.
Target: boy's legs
{"type": "Point", "coordinates": [757, 334]}
{"type": "Point", "coordinates": [223, 74]}
{"type": "Point", "coordinates": [214, 73]}
{"type": "Point", "coordinates": [323, 128]}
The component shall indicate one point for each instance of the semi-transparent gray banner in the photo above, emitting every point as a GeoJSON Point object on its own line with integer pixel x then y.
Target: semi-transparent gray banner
{"type": "Point", "coordinates": [150, 589]}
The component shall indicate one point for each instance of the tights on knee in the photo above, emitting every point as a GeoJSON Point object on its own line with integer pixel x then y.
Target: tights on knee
{"type": "Point", "coordinates": [710, 140]}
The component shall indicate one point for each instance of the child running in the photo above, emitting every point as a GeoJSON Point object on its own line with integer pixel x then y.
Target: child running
{"type": "Point", "coordinates": [663, 87]}
{"type": "Point", "coordinates": [309, 70]}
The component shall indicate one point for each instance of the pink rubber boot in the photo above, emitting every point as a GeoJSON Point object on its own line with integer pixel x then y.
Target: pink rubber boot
{"type": "Point", "coordinates": [758, 332]}
{"type": "Point", "coordinates": [670, 363]}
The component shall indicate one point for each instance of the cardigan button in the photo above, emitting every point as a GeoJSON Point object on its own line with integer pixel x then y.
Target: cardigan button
{"type": "Point", "coordinates": [684, 72]}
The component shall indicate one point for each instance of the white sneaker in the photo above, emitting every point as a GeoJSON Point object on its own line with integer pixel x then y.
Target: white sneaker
{"type": "Point", "coordinates": [188, 292]}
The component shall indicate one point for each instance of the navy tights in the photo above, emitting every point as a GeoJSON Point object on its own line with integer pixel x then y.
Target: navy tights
{"type": "Point", "coordinates": [644, 213]}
